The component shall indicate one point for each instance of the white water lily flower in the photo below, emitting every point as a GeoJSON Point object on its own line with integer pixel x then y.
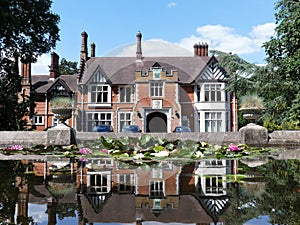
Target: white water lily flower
{"type": "Point", "coordinates": [138, 156]}
{"type": "Point", "coordinates": [199, 154]}
{"type": "Point", "coordinates": [161, 154]}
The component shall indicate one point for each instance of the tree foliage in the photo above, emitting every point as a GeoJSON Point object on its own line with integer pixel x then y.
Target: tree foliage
{"type": "Point", "coordinates": [283, 56]}
{"type": "Point", "coordinates": [28, 29]}
{"type": "Point", "coordinates": [67, 67]}
{"type": "Point", "coordinates": [277, 82]}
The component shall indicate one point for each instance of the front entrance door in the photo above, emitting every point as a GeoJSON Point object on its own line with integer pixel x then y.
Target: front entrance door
{"type": "Point", "coordinates": [156, 123]}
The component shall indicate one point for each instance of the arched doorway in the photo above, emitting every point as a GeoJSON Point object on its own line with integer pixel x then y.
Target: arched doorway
{"type": "Point", "coordinates": [156, 123]}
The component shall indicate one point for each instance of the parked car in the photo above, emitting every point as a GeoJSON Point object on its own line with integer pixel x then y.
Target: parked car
{"type": "Point", "coordinates": [181, 129]}
{"type": "Point", "coordinates": [103, 128]}
{"type": "Point", "coordinates": [131, 129]}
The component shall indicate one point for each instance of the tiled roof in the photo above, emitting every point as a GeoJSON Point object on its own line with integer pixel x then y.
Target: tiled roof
{"type": "Point", "coordinates": [41, 83]}
{"type": "Point", "coordinates": [121, 70]}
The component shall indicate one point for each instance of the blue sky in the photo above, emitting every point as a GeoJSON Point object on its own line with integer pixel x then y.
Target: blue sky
{"type": "Point", "coordinates": [237, 26]}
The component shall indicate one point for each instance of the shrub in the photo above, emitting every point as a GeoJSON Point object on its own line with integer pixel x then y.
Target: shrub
{"type": "Point", "coordinates": [61, 102]}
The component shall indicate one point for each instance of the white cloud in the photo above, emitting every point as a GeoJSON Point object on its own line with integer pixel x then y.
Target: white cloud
{"type": "Point", "coordinates": [226, 39]}
{"type": "Point", "coordinates": [172, 4]}
{"type": "Point", "coordinates": [262, 33]}
{"type": "Point", "coordinates": [41, 67]}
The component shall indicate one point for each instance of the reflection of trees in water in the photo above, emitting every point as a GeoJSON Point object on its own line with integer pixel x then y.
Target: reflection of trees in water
{"type": "Point", "coordinates": [9, 171]}
{"type": "Point", "coordinates": [277, 196]}
{"type": "Point", "coordinates": [281, 198]}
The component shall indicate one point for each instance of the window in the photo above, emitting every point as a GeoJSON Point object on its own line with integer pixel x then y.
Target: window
{"type": "Point", "coordinates": [198, 92]}
{"type": "Point", "coordinates": [156, 73]}
{"type": "Point", "coordinates": [213, 163]}
{"type": "Point", "coordinates": [101, 118]}
{"type": "Point", "coordinates": [125, 182]}
{"type": "Point", "coordinates": [100, 94]}
{"type": "Point", "coordinates": [213, 122]}
{"type": "Point", "coordinates": [212, 92]}
{"type": "Point", "coordinates": [125, 94]}
{"type": "Point", "coordinates": [213, 185]}
{"type": "Point", "coordinates": [156, 89]}
{"type": "Point", "coordinates": [55, 121]}
{"type": "Point", "coordinates": [38, 120]}
{"type": "Point", "coordinates": [99, 183]}
{"type": "Point", "coordinates": [124, 119]}
{"type": "Point", "coordinates": [156, 189]}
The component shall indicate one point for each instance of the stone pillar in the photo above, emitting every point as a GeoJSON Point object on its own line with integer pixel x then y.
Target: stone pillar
{"type": "Point", "coordinates": [61, 135]}
{"type": "Point", "coordinates": [253, 135]}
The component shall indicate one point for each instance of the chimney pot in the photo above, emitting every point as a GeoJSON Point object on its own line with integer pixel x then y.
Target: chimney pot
{"type": "Point", "coordinates": [54, 67]}
{"type": "Point", "coordinates": [93, 49]}
{"type": "Point", "coordinates": [84, 51]}
{"type": "Point", "coordinates": [139, 46]}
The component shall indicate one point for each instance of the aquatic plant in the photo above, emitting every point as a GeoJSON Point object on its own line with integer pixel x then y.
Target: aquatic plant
{"type": "Point", "coordinates": [146, 148]}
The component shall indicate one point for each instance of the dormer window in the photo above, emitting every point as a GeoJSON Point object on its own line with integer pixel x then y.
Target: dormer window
{"type": "Point", "coordinates": [156, 69]}
{"type": "Point", "coordinates": [156, 73]}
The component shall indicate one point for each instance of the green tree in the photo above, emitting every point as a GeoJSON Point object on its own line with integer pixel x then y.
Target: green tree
{"type": "Point", "coordinates": [28, 29]}
{"type": "Point", "coordinates": [283, 55]}
{"type": "Point", "coordinates": [239, 81]}
{"type": "Point", "coordinates": [67, 67]}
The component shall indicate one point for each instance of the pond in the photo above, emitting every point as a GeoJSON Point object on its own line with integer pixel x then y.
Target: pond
{"type": "Point", "coordinates": [108, 191]}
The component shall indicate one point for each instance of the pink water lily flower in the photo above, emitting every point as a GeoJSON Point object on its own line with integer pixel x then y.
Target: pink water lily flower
{"type": "Point", "coordinates": [233, 148]}
{"type": "Point", "coordinates": [105, 151]}
{"type": "Point", "coordinates": [85, 151]}
{"type": "Point", "coordinates": [83, 160]}
{"type": "Point", "coordinates": [16, 147]}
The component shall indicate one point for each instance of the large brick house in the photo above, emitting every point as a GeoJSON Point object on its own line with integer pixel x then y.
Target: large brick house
{"type": "Point", "coordinates": [155, 93]}
{"type": "Point", "coordinates": [42, 88]}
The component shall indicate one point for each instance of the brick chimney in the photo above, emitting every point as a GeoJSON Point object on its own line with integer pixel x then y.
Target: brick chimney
{"type": "Point", "coordinates": [139, 46]}
{"type": "Point", "coordinates": [54, 67]}
{"type": "Point", "coordinates": [93, 49]}
{"type": "Point", "coordinates": [201, 49]}
{"type": "Point", "coordinates": [26, 71]}
{"type": "Point", "coordinates": [84, 51]}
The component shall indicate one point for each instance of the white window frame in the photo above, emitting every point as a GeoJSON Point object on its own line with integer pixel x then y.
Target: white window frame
{"type": "Point", "coordinates": [156, 188]}
{"type": "Point", "coordinates": [98, 118]}
{"type": "Point", "coordinates": [125, 183]}
{"type": "Point", "coordinates": [214, 184]}
{"type": "Point", "coordinates": [38, 120]}
{"type": "Point", "coordinates": [99, 186]}
{"type": "Point", "coordinates": [212, 92]}
{"type": "Point", "coordinates": [214, 119]}
{"type": "Point", "coordinates": [156, 73]}
{"type": "Point", "coordinates": [200, 90]}
{"type": "Point", "coordinates": [124, 91]}
{"type": "Point", "coordinates": [94, 94]}
{"type": "Point", "coordinates": [126, 120]}
{"type": "Point", "coordinates": [55, 121]}
{"type": "Point", "coordinates": [156, 89]}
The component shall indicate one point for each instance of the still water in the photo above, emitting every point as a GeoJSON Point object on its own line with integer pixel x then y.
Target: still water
{"type": "Point", "coordinates": [105, 191]}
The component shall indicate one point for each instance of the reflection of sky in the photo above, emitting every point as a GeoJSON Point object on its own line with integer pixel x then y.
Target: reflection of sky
{"type": "Point", "coordinates": [262, 220]}
{"type": "Point", "coordinates": [40, 217]}
{"type": "Point", "coordinates": [38, 213]}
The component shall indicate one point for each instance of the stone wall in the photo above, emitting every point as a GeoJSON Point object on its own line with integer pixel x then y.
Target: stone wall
{"type": "Point", "coordinates": [281, 139]}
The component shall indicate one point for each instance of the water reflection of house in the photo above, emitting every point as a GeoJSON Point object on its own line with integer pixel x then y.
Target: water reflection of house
{"type": "Point", "coordinates": [43, 189]}
{"type": "Point", "coordinates": [165, 192]}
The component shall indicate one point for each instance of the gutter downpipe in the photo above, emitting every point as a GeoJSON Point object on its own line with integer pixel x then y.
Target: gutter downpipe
{"type": "Point", "coordinates": [46, 110]}
{"type": "Point", "coordinates": [82, 108]}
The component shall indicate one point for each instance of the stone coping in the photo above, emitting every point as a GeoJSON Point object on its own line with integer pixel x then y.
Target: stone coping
{"type": "Point", "coordinates": [281, 139]}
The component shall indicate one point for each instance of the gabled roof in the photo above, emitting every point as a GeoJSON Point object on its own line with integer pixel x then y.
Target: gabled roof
{"type": "Point", "coordinates": [121, 70]}
{"type": "Point", "coordinates": [42, 83]}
